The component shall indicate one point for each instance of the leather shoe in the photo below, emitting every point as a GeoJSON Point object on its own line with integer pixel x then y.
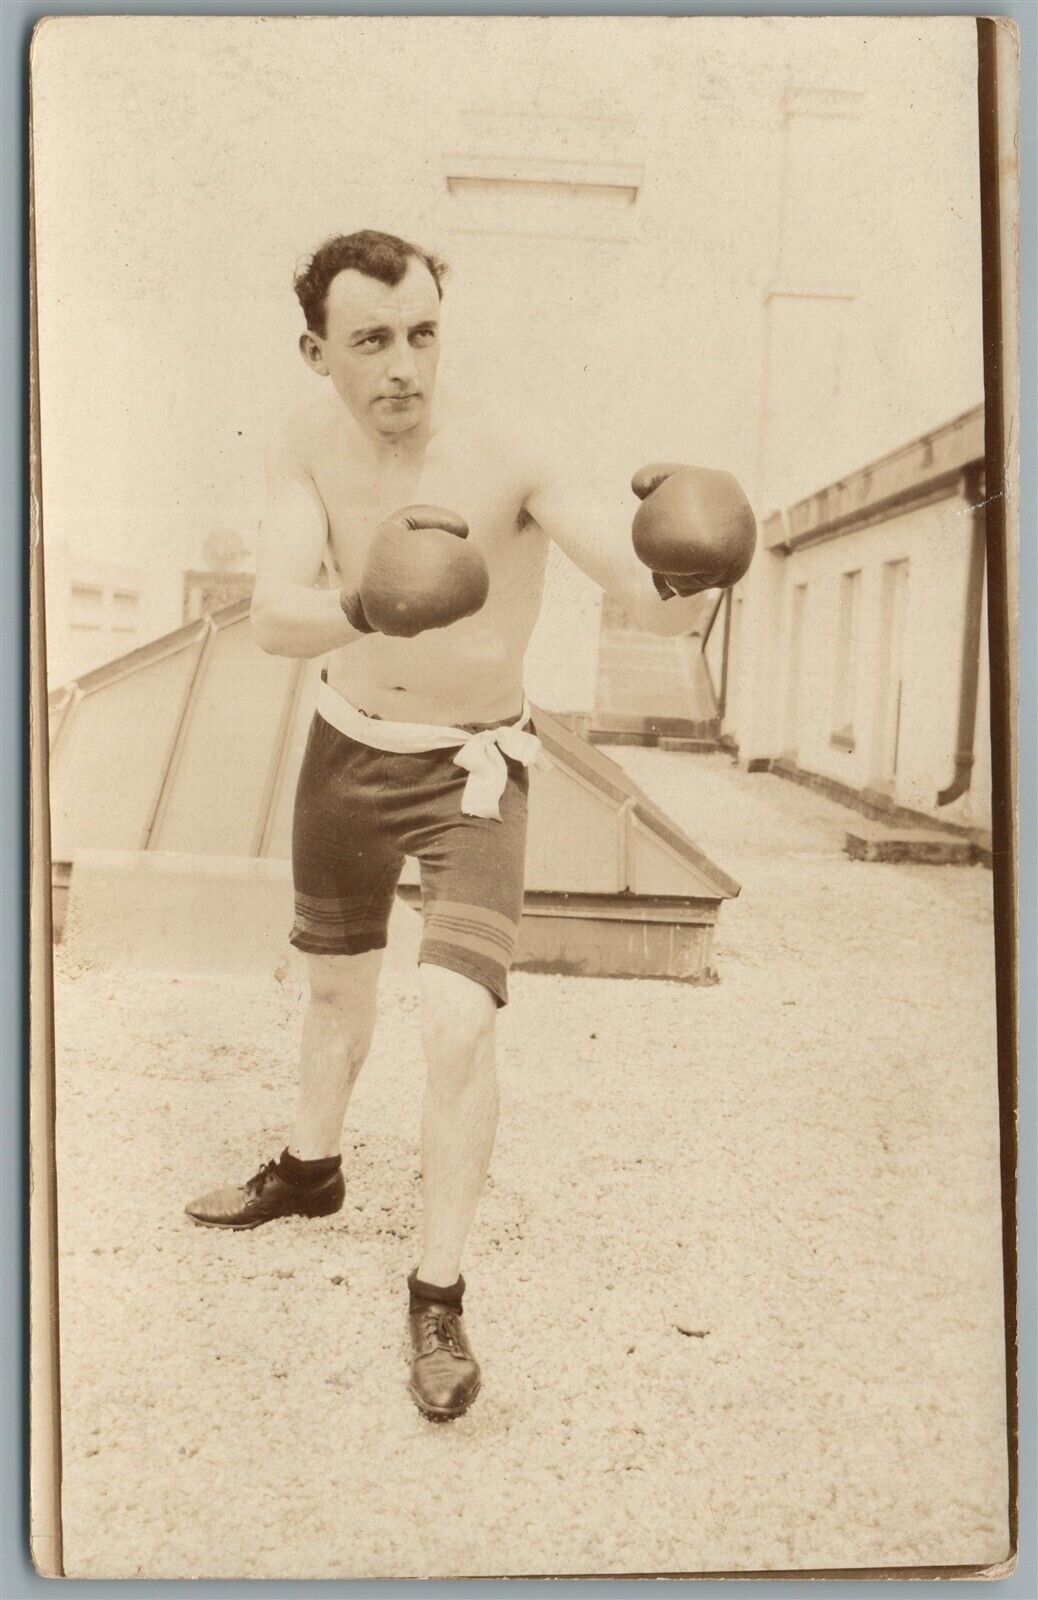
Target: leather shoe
{"type": "Point", "coordinates": [266, 1196]}
{"type": "Point", "coordinates": [445, 1375]}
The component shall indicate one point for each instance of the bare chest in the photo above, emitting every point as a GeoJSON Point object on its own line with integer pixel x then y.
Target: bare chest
{"type": "Point", "coordinates": [485, 492]}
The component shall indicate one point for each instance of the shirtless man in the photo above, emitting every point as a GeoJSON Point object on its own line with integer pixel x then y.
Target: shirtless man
{"type": "Point", "coordinates": [434, 521]}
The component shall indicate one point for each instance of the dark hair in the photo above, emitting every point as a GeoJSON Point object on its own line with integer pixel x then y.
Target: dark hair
{"type": "Point", "coordinates": [377, 255]}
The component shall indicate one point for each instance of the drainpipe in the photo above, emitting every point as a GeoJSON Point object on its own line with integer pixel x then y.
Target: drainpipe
{"type": "Point", "coordinates": [722, 699]}
{"type": "Point", "coordinates": [960, 783]}
{"type": "Point", "coordinates": [704, 641]}
{"type": "Point", "coordinates": [708, 630]}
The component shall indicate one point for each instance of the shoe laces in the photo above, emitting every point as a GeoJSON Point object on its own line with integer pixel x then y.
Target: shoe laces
{"type": "Point", "coordinates": [440, 1325]}
{"type": "Point", "coordinates": [259, 1182]}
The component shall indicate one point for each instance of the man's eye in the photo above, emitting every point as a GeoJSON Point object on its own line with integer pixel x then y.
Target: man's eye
{"type": "Point", "coordinates": [372, 341]}
{"type": "Point", "coordinates": [423, 336]}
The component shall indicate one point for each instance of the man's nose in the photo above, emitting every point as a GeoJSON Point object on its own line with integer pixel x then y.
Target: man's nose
{"type": "Point", "coordinates": [402, 368]}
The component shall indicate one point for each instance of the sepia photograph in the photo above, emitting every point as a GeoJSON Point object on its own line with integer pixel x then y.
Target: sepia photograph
{"type": "Point", "coordinates": [519, 798]}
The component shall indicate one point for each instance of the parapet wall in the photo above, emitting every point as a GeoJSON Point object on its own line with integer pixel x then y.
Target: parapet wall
{"type": "Point", "coordinates": [862, 627]}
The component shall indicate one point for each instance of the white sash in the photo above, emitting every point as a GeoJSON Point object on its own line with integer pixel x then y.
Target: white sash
{"type": "Point", "coordinates": [480, 754]}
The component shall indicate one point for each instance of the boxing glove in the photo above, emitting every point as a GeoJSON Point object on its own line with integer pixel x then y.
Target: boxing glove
{"type": "Point", "coordinates": [694, 528]}
{"type": "Point", "coordinates": [419, 574]}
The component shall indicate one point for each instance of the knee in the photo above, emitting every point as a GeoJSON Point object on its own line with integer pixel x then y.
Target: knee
{"type": "Point", "coordinates": [458, 1019]}
{"type": "Point", "coordinates": [342, 1007]}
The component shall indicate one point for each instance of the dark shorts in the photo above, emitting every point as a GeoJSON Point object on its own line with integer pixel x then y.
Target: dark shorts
{"type": "Point", "coordinates": [359, 812]}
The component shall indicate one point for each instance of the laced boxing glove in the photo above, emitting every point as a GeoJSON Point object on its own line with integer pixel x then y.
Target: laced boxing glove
{"type": "Point", "coordinates": [419, 574]}
{"type": "Point", "coordinates": [694, 528]}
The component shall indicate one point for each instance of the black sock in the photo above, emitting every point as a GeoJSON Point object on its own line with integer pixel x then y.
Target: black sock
{"type": "Point", "coordinates": [301, 1174]}
{"type": "Point", "coordinates": [423, 1293]}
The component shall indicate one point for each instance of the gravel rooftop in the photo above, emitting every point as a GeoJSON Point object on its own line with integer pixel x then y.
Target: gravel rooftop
{"type": "Point", "coordinates": [735, 1283]}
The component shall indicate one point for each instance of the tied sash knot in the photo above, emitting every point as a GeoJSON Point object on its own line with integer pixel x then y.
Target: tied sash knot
{"type": "Point", "coordinates": [482, 757]}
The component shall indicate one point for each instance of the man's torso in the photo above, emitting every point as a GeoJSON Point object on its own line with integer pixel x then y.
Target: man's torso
{"type": "Point", "coordinates": [472, 670]}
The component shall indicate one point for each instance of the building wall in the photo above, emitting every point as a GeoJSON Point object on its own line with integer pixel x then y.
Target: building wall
{"type": "Point", "coordinates": [211, 590]}
{"type": "Point", "coordinates": [858, 675]}
{"type": "Point", "coordinates": [97, 610]}
{"type": "Point", "coordinates": [877, 738]}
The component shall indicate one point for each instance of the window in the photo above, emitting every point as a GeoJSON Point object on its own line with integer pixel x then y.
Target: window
{"type": "Point", "coordinates": [124, 611]}
{"type": "Point", "coordinates": [794, 687]}
{"type": "Point", "coordinates": [890, 686]}
{"type": "Point", "coordinates": [87, 608]}
{"type": "Point", "coordinates": [112, 613]}
{"type": "Point", "coordinates": [846, 661]}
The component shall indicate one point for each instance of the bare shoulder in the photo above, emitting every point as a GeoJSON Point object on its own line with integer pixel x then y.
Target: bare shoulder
{"type": "Point", "coordinates": [516, 440]}
{"type": "Point", "coordinates": [302, 437]}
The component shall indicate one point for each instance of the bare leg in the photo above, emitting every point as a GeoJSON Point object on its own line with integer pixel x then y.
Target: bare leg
{"type": "Point", "coordinates": [459, 1115]}
{"type": "Point", "coordinates": [337, 1029]}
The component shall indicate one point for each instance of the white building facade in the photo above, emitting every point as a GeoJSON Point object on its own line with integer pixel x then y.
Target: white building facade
{"type": "Point", "coordinates": [857, 646]}
{"type": "Point", "coordinates": [97, 609]}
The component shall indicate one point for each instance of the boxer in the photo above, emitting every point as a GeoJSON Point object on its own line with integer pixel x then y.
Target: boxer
{"type": "Point", "coordinates": [433, 521]}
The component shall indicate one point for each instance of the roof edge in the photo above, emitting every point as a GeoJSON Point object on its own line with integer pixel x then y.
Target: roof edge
{"type": "Point", "coordinates": [605, 774]}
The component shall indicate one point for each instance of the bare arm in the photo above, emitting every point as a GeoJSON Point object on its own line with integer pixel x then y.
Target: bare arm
{"type": "Point", "coordinates": [290, 615]}
{"type": "Point", "coordinates": [591, 523]}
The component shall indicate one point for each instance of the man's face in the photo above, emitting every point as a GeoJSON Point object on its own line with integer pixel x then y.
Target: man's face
{"type": "Point", "coordinates": [381, 348]}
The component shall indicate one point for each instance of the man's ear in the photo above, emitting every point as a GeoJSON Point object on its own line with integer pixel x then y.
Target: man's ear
{"type": "Point", "coordinates": [312, 353]}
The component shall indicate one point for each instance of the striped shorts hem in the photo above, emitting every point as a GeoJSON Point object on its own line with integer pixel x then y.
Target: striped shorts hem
{"type": "Point", "coordinates": [360, 812]}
